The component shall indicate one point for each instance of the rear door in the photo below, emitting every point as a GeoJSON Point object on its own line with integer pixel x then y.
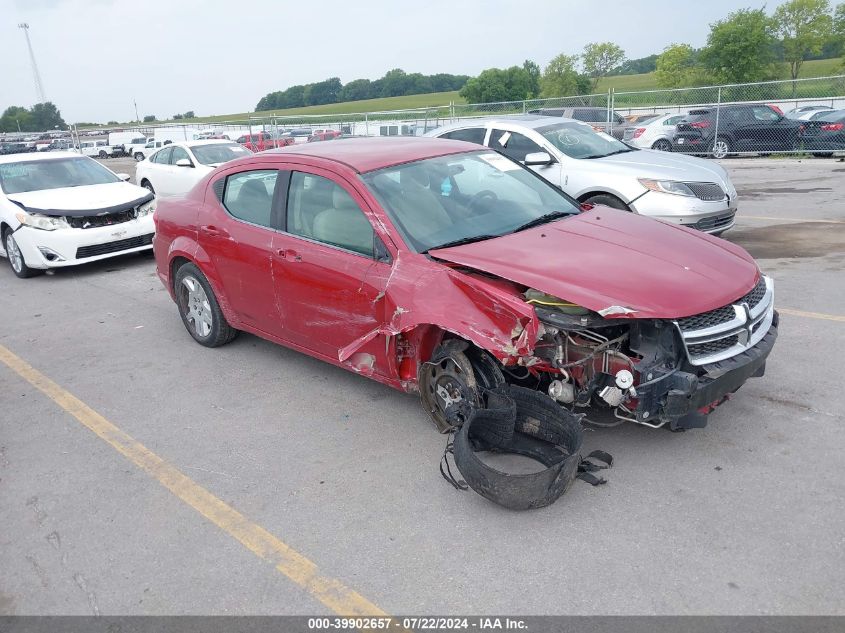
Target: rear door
{"type": "Point", "coordinates": [333, 269]}
{"type": "Point", "coordinates": [237, 233]}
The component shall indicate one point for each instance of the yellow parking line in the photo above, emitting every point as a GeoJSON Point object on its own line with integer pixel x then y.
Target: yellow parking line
{"type": "Point", "coordinates": [764, 217]}
{"type": "Point", "coordinates": [331, 592]}
{"type": "Point", "coordinates": [812, 315]}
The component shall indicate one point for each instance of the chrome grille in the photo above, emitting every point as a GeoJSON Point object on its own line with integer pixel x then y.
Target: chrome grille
{"type": "Point", "coordinates": [727, 331]}
{"type": "Point", "coordinates": [715, 222]}
{"type": "Point", "coordinates": [708, 191]}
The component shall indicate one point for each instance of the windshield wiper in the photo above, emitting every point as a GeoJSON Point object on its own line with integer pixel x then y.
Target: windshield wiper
{"type": "Point", "coordinates": [618, 151]}
{"type": "Point", "coordinates": [543, 219]}
{"type": "Point", "coordinates": [463, 240]}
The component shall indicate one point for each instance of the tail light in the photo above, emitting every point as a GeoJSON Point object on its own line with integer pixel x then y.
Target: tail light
{"type": "Point", "coordinates": [833, 127]}
{"type": "Point", "coordinates": [700, 124]}
{"type": "Point", "coordinates": [638, 132]}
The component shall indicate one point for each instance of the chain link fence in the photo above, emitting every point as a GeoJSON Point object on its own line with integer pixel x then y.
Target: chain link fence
{"type": "Point", "coordinates": [805, 116]}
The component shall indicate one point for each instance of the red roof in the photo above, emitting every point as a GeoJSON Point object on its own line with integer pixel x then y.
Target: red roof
{"type": "Point", "coordinates": [371, 153]}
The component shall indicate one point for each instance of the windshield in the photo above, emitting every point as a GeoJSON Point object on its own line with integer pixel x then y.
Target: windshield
{"type": "Point", "coordinates": [578, 140]}
{"type": "Point", "coordinates": [219, 152]}
{"type": "Point", "coordinates": [463, 197]}
{"type": "Point", "coordinates": [53, 174]}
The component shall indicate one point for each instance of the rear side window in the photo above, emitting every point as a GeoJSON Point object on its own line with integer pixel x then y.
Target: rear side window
{"type": "Point", "coordinates": [162, 157]}
{"type": "Point", "coordinates": [472, 135]}
{"type": "Point", "coordinates": [177, 154]}
{"type": "Point", "coordinates": [249, 196]}
{"type": "Point", "coordinates": [589, 114]}
{"type": "Point", "coordinates": [765, 113]}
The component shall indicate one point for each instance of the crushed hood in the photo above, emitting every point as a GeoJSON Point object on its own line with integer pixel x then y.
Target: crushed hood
{"type": "Point", "coordinates": [605, 258]}
{"type": "Point", "coordinates": [83, 201]}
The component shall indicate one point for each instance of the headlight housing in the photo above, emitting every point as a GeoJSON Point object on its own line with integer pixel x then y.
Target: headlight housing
{"type": "Point", "coordinates": [667, 186]}
{"type": "Point", "coordinates": [147, 208]}
{"type": "Point", "coordinates": [43, 222]}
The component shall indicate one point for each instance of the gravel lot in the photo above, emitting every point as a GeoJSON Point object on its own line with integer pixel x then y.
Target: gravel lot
{"type": "Point", "coordinates": [745, 516]}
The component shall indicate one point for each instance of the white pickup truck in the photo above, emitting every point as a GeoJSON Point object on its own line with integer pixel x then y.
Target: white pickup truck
{"type": "Point", "coordinates": [97, 149]}
{"type": "Point", "coordinates": [151, 146]}
{"type": "Point", "coordinates": [127, 143]}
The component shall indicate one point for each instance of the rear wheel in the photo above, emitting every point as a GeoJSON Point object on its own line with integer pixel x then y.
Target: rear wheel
{"type": "Point", "coordinates": [199, 309]}
{"type": "Point", "coordinates": [607, 200]}
{"type": "Point", "coordinates": [662, 145]}
{"type": "Point", "coordinates": [139, 156]}
{"type": "Point", "coordinates": [15, 256]}
{"type": "Point", "coordinates": [721, 148]}
{"type": "Point", "coordinates": [102, 154]}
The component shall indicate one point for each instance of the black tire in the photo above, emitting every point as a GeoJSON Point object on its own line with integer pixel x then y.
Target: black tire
{"type": "Point", "coordinates": [607, 200]}
{"type": "Point", "coordinates": [493, 423]}
{"type": "Point", "coordinates": [138, 156]}
{"type": "Point", "coordinates": [219, 331]}
{"type": "Point", "coordinates": [721, 148]}
{"type": "Point", "coordinates": [662, 145]}
{"type": "Point", "coordinates": [22, 271]}
{"type": "Point", "coordinates": [102, 154]}
{"type": "Point", "coordinates": [146, 184]}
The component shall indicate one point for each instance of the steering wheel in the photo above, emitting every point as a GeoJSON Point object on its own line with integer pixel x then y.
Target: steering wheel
{"type": "Point", "coordinates": [480, 198]}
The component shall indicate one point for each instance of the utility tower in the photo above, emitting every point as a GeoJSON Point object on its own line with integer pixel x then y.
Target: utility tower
{"type": "Point", "coordinates": [39, 87]}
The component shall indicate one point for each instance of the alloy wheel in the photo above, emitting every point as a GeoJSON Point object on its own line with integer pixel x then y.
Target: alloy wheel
{"type": "Point", "coordinates": [197, 307]}
{"type": "Point", "coordinates": [720, 149]}
{"type": "Point", "coordinates": [14, 253]}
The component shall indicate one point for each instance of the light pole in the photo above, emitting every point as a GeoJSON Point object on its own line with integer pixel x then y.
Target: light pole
{"type": "Point", "coordinates": [39, 87]}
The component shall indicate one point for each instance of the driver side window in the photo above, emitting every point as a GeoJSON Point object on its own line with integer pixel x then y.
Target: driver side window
{"type": "Point", "coordinates": [162, 157]}
{"type": "Point", "coordinates": [177, 154]}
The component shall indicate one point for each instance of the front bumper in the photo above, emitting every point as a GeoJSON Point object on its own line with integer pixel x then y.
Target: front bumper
{"type": "Point", "coordinates": [709, 217]}
{"type": "Point", "coordinates": [685, 398]}
{"type": "Point", "coordinates": [69, 247]}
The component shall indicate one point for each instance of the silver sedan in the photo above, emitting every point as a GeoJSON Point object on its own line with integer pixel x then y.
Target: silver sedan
{"type": "Point", "coordinates": [596, 168]}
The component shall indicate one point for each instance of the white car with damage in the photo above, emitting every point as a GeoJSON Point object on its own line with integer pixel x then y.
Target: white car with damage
{"type": "Point", "coordinates": [62, 209]}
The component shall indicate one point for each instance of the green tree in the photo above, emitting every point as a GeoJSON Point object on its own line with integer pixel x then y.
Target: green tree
{"type": "Point", "coordinates": [16, 118]}
{"type": "Point", "coordinates": [46, 116]}
{"type": "Point", "coordinates": [838, 30]}
{"type": "Point", "coordinates": [497, 84]}
{"type": "Point", "coordinates": [356, 90]}
{"type": "Point", "coordinates": [600, 58]}
{"type": "Point", "coordinates": [803, 26]}
{"type": "Point", "coordinates": [177, 117]}
{"type": "Point", "coordinates": [560, 79]}
{"type": "Point", "coordinates": [675, 66]}
{"type": "Point", "coordinates": [189, 114]}
{"type": "Point", "coordinates": [326, 91]}
{"type": "Point", "coordinates": [149, 118]}
{"type": "Point", "coordinates": [534, 75]}
{"type": "Point", "coordinates": [740, 47]}
{"type": "Point", "coordinates": [394, 83]}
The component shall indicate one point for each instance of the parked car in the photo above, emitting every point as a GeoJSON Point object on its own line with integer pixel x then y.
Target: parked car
{"type": "Point", "coordinates": [99, 149]}
{"type": "Point", "coordinates": [324, 135]}
{"type": "Point", "coordinates": [595, 168]}
{"type": "Point", "coordinates": [639, 119]}
{"type": "Point", "coordinates": [826, 134]}
{"type": "Point", "coordinates": [356, 252]}
{"type": "Point", "coordinates": [657, 133]}
{"type": "Point", "coordinates": [63, 209]}
{"type": "Point", "coordinates": [63, 145]}
{"type": "Point", "coordinates": [805, 112]}
{"type": "Point", "coordinates": [261, 141]}
{"type": "Point", "coordinates": [175, 169]}
{"type": "Point", "coordinates": [151, 147]}
{"type": "Point", "coordinates": [596, 117]}
{"type": "Point", "coordinates": [741, 128]}
{"type": "Point", "coordinates": [127, 143]}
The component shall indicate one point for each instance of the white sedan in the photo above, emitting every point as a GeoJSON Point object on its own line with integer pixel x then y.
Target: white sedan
{"type": "Point", "coordinates": [60, 209]}
{"type": "Point", "coordinates": [177, 167]}
{"type": "Point", "coordinates": [656, 133]}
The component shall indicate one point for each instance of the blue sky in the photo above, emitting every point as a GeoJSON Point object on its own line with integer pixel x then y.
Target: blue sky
{"type": "Point", "coordinates": [215, 57]}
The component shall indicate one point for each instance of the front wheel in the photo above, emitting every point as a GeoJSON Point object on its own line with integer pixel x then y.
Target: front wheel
{"type": "Point", "coordinates": [662, 145]}
{"type": "Point", "coordinates": [138, 156]}
{"type": "Point", "coordinates": [721, 148]}
{"type": "Point", "coordinates": [102, 155]}
{"type": "Point", "coordinates": [16, 259]}
{"type": "Point", "coordinates": [199, 309]}
{"type": "Point", "coordinates": [607, 200]}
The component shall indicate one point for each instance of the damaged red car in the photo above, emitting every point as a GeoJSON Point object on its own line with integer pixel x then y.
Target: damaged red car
{"type": "Point", "coordinates": [437, 267]}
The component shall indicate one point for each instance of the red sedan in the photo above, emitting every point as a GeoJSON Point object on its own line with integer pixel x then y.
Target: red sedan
{"type": "Point", "coordinates": [437, 267]}
{"type": "Point", "coordinates": [263, 141]}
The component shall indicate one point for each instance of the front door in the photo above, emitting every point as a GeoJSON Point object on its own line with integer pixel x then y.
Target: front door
{"type": "Point", "coordinates": [330, 283]}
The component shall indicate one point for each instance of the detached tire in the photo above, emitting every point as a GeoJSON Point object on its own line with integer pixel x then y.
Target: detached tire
{"type": "Point", "coordinates": [607, 200]}
{"type": "Point", "coordinates": [199, 309]}
{"type": "Point", "coordinates": [138, 156]}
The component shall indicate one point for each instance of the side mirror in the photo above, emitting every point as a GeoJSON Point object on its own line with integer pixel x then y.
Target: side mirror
{"type": "Point", "coordinates": [184, 162]}
{"type": "Point", "coordinates": [538, 158]}
{"type": "Point", "coordinates": [124, 177]}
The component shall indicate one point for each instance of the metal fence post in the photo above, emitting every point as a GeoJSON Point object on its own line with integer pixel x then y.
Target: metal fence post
{"type": "Point", "coordinates": [718, 108]}
{"type": "Point", "coordinates": [366, 125]}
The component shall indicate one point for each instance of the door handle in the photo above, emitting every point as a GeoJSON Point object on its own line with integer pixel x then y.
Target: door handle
{"type": "Point", "coordinates": [289, 255]}
{"type": "Point", "coordinates": [213, 231]}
